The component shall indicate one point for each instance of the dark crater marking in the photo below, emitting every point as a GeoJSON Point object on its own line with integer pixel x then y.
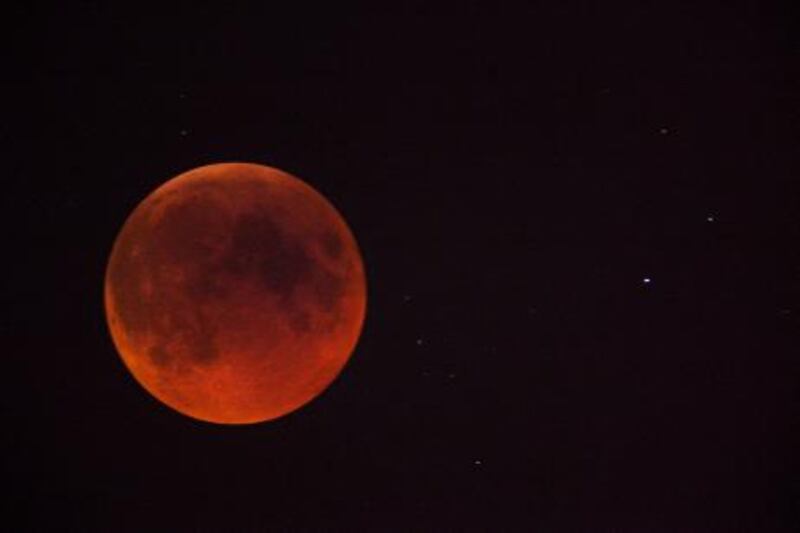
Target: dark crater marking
{"type": "Point", "coordinates": [281, 263]}
{"type": "Point", "coordinates": [190, 330]}
{"type": "Point", "coordinates": [332, 244]}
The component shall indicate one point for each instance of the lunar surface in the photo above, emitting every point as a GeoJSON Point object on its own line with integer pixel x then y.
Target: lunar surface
{"type": "Point", "coordinates": [235, 293]}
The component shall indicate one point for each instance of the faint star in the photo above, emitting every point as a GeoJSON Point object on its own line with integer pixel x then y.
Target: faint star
{"type": "Point", "coordinates": [710, 218]}
{"type": "Point", "coordinates": [646, 280]}
{"type": "Point", "coordinates": [451, 376]}
{"type": "Point", "coordinates": [407, 298]}
{"type": "Point", "coordinates": [478, 462]}
{"type": "Point", "coordinates": [663, 131]}
{"type": "Point", "coordinates": [419, 342]}
{"type": "Point", "coordinates": [184, 133]}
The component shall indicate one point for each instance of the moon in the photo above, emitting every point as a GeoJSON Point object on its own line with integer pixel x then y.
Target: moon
{"type": "Point", "coordinates": [235, 293]}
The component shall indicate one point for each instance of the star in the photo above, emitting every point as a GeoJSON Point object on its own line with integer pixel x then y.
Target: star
{"type": "Point", "coordinates": [646, 281]}
{"type": "Point", "coordinates": [419, 342]}
{"type": "Point", "coordinates": [710, 218]}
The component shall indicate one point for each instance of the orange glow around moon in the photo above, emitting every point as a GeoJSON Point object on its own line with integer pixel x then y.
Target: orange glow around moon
{"type": "Point", "coordinates": [235, 293]}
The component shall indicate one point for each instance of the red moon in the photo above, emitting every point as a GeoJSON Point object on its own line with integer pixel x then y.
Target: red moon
{"type": "Point", "coordinates": [235, 293]}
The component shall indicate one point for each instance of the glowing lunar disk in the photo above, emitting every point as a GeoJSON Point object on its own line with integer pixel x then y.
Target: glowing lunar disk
{"type": "Point", "coordinates": [235, 293]}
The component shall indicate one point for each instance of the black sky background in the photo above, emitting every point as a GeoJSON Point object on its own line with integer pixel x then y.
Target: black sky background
{"type": "Point", "coordinates": [512, 176]}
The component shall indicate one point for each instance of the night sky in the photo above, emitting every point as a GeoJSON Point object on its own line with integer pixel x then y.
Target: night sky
{"type": "Point", "coordinates": [580, 229]}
